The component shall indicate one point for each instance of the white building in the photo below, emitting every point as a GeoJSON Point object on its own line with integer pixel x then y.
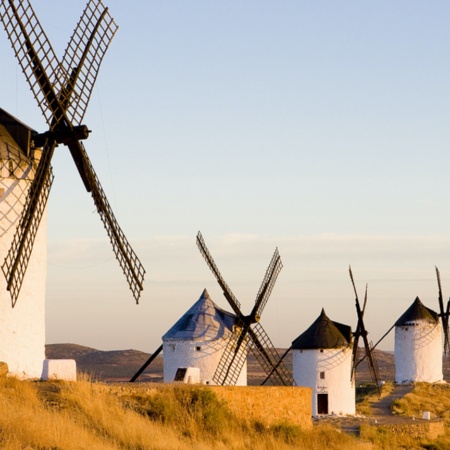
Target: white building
{"type": "Point", "coordinates": [198, 340]}
{"type": "Point", "coordinates": [22, 328]}
{"type": "Point", "coordinates": [322, 360]}
{"type": "Point", "coordinates": [418, 345]}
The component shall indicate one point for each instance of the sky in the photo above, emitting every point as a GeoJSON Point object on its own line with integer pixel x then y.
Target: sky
{"type": "Point", "coordinates": [320, 128]}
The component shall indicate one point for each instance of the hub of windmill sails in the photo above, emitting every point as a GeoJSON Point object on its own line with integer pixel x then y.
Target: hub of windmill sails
{"type": "Point", "coordinates": [63, 135]}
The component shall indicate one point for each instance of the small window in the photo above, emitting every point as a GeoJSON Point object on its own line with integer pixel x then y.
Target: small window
{"type": "Point", "coordinates": [172, 347]}
{"type": "Point", "coordinates": [198, 349]}
{"type": "Point", "coordinates": [11, 168]}
{"type": "Point", "coordinates": [322, 375]}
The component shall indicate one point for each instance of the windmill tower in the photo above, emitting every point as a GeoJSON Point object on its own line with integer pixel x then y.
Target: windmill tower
{"type": "Point", "coordinates": [325, 358]}
{"type": "Point", "coordinates": [22, 331]}
{"type": "Point", "coordinates": [322, 360]}
{"type": "Point", "coordinates": [62, 90]}
{"type": "Point", "coordinates": [418, 345]}
{"type": "Point", "coordinates": [198, 340]}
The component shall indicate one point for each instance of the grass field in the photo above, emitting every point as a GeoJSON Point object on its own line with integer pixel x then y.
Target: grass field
{"type": "Point", "coordinates": [87, 415]}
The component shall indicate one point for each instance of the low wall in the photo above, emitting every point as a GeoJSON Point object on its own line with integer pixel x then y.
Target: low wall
{"type": "Point", "coordinates": [268, 405]}
{"type": "Point", "coordinates": [420, 429]}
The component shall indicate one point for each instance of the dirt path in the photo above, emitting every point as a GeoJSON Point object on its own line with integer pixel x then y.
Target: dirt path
{"type": "Point", "coordinates": [382, 408]}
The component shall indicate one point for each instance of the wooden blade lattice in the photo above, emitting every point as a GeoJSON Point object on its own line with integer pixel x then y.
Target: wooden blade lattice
{"type": "Point", "coordinates": [18, 257]}
{"type": "Point", "coordinates": [268, 357]}
{"type": "Point", "coordinates": [373, 365]}
{"type": "Point", "coordinates": [233, 358]}
{"type": "Point", "coordinates": [62, 97]}
{"type": "Point", "coordinates": [35, 55]}
{"type": "Point", "coordinates": [268, 283]}
{"type": "Point", "coordinates": [128, 260]}
{"type": "Point", "coordinates": [81, 57]}
{"type": "Point", "coordinates": [443, 314]}
{"type": "Point", "coordinates": [232, 300]}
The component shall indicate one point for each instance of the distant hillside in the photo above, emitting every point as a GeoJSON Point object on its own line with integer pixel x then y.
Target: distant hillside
{"type": "Point", "coordinates": [115, 365]}
{"type": "Point", "coordinates": [121, 365]}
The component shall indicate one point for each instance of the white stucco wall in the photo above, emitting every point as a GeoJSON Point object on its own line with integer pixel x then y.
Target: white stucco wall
{"type": "Point", "coordinates": [418, 353]}
{"type": "Point", "coordinates": [179, 353]}
{"type": "Point", "coordinates": [336, 366]}
{"type": "Point", "coordinates": [22, 329]}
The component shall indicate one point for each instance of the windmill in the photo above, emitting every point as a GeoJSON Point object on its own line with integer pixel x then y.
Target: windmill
{"type": "Point", "coordinates": [322, 360]}
{"type": "Point", "coordinates": [418, 341]}
{"type": "Point", "coordinates": [248, 331]}
{"type": "Point", "coordinates": [196, 341]}
{"type": "Point", "coordinates": [444, 315]}
{"type": "Point", "coordinates": [62, 90]}
{"type": "Point", "coordinates": [361, 332]}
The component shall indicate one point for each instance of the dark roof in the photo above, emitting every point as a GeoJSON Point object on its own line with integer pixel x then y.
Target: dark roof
{"type": "Point", "coordinates": [417, 312]}
{"type": "Point", "coordinates": [14, 129]}
{"type": "Point", "coordinates": [204, 321]}
{"type": "Point", "coordinates": [324, 333]}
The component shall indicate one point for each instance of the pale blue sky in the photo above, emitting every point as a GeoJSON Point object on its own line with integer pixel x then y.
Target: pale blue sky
{"type": "Point", "coordinates": [318, 127]}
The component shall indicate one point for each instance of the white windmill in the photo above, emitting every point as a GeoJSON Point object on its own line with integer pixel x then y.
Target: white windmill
{"type": "Point", "coordinates": [22, 331]}
{"type": "Point", "coordinates": [244, 334]}
{"type": "Point", "coordinates": [418, 345]}
{"type": "Point", "coordinates": [62, 89]}
{"type": "Point", "coordinates": [198, 340]}
{"type": "Point", "coordinates": [325, 358]}
{"type": "Point", "coordinates": [322, 360]}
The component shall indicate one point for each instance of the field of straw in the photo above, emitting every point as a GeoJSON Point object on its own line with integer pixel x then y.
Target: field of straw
{"type": "Point", "coordinates": [88, 415]}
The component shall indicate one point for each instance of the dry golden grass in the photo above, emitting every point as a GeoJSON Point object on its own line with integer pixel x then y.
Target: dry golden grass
{"type": "Point", "coordinates": [365, 396]}
{"type": "Point", "coordinates": [86, 415]}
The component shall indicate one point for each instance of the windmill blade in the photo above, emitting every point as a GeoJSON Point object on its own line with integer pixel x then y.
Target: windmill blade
{"type": "Point", "coordinates": [362, 332]}
{"type": "Point", "coordinates": [365, 301]}
{"type": "Point", "coordinates": [35, 55]}
{"type": "Point", "coordinates": [446, 333]}
{"type": "Point", "coordinates": [268, 357]}
{"type": "Point", "coordinates": [128, 260]}
{"type": "Point", "coordinates": [147, 363]}
{"type": "Point", "coordinates": [232, 300]}
{"type": "Point", "coordinates": [354, 355]}
{"type": "Point", "coordinates": [372, 362]}
{"type": "Point", "coordinates": [443, 314]}
{"type": "Point", "coordinates": [279, 362]}
{"type": "Point", "coordinates": [16, 261]}
{"type": "Point", "coordinates": [233, 357]}
{"type": "Point", "coordinates": [267, 285]}
{"type": "Point", "coordinates": [38, 60]}
{"type": "Point", "coordinates": [82, 59]}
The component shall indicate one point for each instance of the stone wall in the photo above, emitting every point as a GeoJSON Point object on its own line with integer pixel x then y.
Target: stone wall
{"type": "Point", "coordinates": [269, 405]}
{"type": "Point", "coordinates": [420, 429]}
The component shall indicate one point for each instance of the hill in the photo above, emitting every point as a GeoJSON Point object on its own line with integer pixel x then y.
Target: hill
{"type": "Point", "coordinates": [121, 365]}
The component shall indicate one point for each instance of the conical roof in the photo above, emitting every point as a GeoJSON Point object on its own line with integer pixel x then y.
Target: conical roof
{"type": "Point", "coordinates": [204, 321]}
{"type": "Point", "coordinates": [324, 333]}
{"type": "Point", "coordinates": [14, 138]}
{"type": "Point", "coordinates": [417, 312]}
{"type": "Point", "coordinates": [9, 149]}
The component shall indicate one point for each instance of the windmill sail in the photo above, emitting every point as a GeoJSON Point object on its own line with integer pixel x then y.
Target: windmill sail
{"type": "Point", "coordinates": [62, 91]}
{"type": "Point", "coordinates": [361, 331]}
{"type": "Point", "coordinates": [249, 333]}
{"type": "Point", "coordinates": [444, 315]}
